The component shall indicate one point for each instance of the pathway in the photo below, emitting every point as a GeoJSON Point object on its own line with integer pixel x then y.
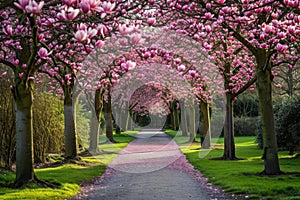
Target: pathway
{"type": "Point", "coordinates": [151, 168]}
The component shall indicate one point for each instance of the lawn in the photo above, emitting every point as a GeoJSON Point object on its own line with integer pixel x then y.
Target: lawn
{"type": "Point", "coordinates": [241, 176]}
{"type": "Point", "coordinates": [68, 176]}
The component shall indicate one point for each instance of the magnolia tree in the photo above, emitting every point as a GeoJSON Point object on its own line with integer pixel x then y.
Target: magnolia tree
{"type": "Point", "coordinates": [183, 63]}
{"type": "Point", "coordinates": [269, 30]}
{"type": "Point", "coordinates": [36, 35]}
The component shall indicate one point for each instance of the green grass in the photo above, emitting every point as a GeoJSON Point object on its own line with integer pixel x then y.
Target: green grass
{"type": "Point", "coordinates": [241, 176]}
{"type": "Point", "coordinates": [68, 176]}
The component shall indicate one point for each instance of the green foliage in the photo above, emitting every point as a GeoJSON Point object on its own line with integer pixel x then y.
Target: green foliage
{"type": "Point", "coordinates": [245, 126]}
{"type": "Point", "coordinates": [48, 126]}
{"type": "Point", "coordinates": [82, 124]}
{"type": "Point", "coordinates": [68, 177]}
{"type": "Point", "coordinates": [241, 177]}
{"type": "Point", "coordinates": [246, 106]}
{"type": "Point", "coordinates": [7, 126]}
{"type": "Point", "coordinates": [287, 124]}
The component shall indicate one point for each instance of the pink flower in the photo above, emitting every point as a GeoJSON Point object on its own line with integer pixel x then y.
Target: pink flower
{"type": "Point", "coordinates": [221, 1]}
{"type": "Point", "coordinates": [291, 29]}
{"type": "Point", "coordinates": [281, 48]}
{"type": "Point", "coordinates": [81, 35]}
{"type": "Point", "coordinates": [130, 64]}
{"type": "Point", "coordinates": [91, 32]}
{"type": "Point", "coordinates": [181, 68]}
{"type": "Point", "coordinates": [85, 6]}
{"type": "Point", "coordinates": [135, 39]}
{"type": "Point", "coordinates": [21, 75]}
{"type": "Point", "coordinates": [208, 15]}
{"type": "Point", "coordinates": [151, 21]}
{"type": "Point", "coordinates": [43, 53]}
{"type": "Point", "coordinates": [99, 43]}
{"type": "Point", "coordinates": [94, 4]}
{"type": "Point", "coordinates": [16, 62]}
{"type": "Point", "coordinates": [33, 7]}
{"type": "Point", "coordinates": [8, 30]}
{"type": "Point", "coordinates": [192, 73]}
{"type": "Point", "coordinates": [177, 61]}
{"type": "Point", "coordinates": [4, 74]}
{"type": "Point", "coordinates": [102, 29]}
{"type": "Point", "coordinates": [70, 2]}
{"type": "Point", "coordinates": [124, 29]}
{"type": "Point", "coordinates": [68, 14]}
{"type": "Point", "coordinates": [106, 8]}
{"type": "Point", "coordinates": [22, 4]}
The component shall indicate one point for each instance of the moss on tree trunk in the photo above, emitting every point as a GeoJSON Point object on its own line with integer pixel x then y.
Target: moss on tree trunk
{"type": "Point", "coordinates": [264, 86]}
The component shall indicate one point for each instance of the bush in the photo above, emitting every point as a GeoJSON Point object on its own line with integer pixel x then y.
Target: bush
{"type": "Point", "coordinates": [287, 125]}
{"type": "Point", "coordinates": [7, 126]}
{"type": "Point", "coordinates": [246, 106]}
{"type": "Point", "coordinates": [48, 126]}
{"type": "Point", "coordinates": [245, 126]}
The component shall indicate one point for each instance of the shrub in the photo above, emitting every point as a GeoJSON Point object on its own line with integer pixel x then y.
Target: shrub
{"type": "Point", "coordinates": [245, 126]}
{"type": "Point", "coordinates": [287, 125]}
{"type": "Point", "coordinates": [246, 106]}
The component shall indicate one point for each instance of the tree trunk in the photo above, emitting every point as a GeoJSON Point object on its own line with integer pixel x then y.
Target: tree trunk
{"type": "Point", "coordinates": [205, 125]}
{"type": "Point", "coordinates": [176, 118]}
{"type": "Point", "coordinates": [229, 145]}
{"type": "Point", "coordinates": [264, 79]}
{"type": "Point", "coordinates": [128, 121]}
{"type": "Point", "coordinates": [183, 122]}
{"type": "Point", "coordinates": [70, 131]}
{"type": "Point", "coordinates": [94, 134]}
{"type": "Point", "coordinates": [24, 134]}
{"type": "Point", "coordinates": [108, 118]}
{"type": "Point", "coordinates": [192, 124]}
{"type": "Point", "coordinates": [172, 118]}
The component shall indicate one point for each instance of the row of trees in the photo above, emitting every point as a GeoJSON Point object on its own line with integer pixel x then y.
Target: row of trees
{"type": "Point", "coordinates": [247, 41]}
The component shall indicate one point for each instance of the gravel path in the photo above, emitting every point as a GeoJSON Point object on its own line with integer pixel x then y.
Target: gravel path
{"type": "Point", "coordinates": [151, 168]}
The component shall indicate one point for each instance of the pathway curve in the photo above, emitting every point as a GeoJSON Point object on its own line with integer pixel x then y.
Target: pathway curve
{"type": "Point", "coordinates": [151, 168]}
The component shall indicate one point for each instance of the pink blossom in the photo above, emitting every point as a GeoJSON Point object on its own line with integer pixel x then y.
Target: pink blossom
{"type": "Point", "coordinates": [192, 73]}
{"type": "Point", "coordinates": [4, 74]}
{"type": "Point", "coordinates": [85, 6]}
{"type": "Point", "coordinates": [81, 35]}
{"type": "Point", "coordinates": [221, 1]}
{"type": "Point", "coordinates": [291, 29]}
{"type": "Point", "coordinates": [135, 39]}
{"type": "Point", "coordinates": [21, 75]}
{"type": "Point", "coordinates": [43, 53]}
{"type": "Point", "coordinates": [106, 8]}
{"type": "Point", "coordinates": [281, 48]}
{"type": "Point", "coordinates": [99, 43]}
{"type": "Point", "coordinates": [151, 21]}
{"type": "Point", "coordinates": [8, 30]}
{"type": "Point", "coordinates": [181, 68]}
{"type": "Point", "coordinates": [94, 4]}
{"type": "Point", "coordinates": [102, 29]}
{"type": "Point", "coordinates": [70, 2]}
{"type": "Point", "coordinates": [16, 62]}
{"type": "Point", "coordinates": [177, 61]}
{"type": "Point", "coordinates": [130, 65]}
{"type": "Point", "coordinates": [24, 66]}
{"type": "Point", "coordinates": [68, 14]}
{"type": "Point", "coordinates": [91, 32]}
{"type": "Point", "coordinates": [33, 7]}
{"type": "Point", "coordinates": [22, 4]}
{"type": "Point", "coordinates": [124, 29]}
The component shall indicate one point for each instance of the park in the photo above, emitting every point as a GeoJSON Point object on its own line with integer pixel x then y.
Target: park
{"type": "Point", "coordinates": [149, 99]}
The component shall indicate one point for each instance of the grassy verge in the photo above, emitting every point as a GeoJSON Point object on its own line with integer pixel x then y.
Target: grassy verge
{"type": "Point", "coordinates": [68, 176]}
{"type": "Point", "coordinates": [241, 176]}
